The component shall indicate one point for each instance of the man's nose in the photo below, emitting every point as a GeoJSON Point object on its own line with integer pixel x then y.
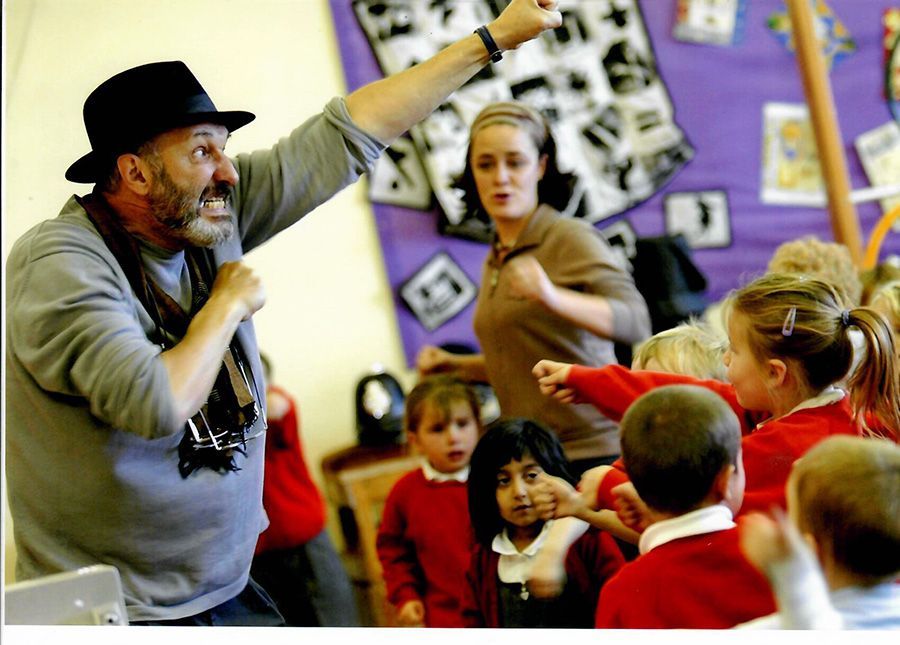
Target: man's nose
{"type": "Point", "coordinates": [225, 171]}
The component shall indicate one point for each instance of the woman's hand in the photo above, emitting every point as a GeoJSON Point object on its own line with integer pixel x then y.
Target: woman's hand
{"type": "Point", "coordinates": [552, 378]}
{"type": "Point", "coordinates": [432, 360]}
{"type": "Point", "coordinates": [528, 280]}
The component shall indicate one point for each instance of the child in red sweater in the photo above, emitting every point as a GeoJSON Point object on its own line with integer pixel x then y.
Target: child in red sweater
{"type": "Point", "coordinates": [503, 488]}
{"type": "Point", "coordinates": [789, 344]}
{"type": "Point", "coordinates": [424, 538]}
{"type": "Point", "coordinates": [295, 560]}
{"type": "Point", "coordinates": [681, 445]}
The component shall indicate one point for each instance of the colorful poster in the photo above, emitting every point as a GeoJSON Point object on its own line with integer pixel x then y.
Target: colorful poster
{"type": "Point", "coordinates": [790, 163]}
{"type": "Point", "coordinates": [879, 152]}
{"type": "Point", "coordinates": [710, 22]}
{"type": "Point", "coordinates": [833, 36]}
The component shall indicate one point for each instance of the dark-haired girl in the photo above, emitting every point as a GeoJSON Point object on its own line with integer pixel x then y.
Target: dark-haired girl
{"type": "Point", "coordinates": [504, 484]}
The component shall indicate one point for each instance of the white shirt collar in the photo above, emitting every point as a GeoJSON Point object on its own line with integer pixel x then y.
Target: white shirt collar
{"type": "Point", "coordinates": [461, 475]}
{"type": "Point", "coordinates": [829, 395]}
{"type": "Point", "coordinates": [708, 519]}
{"type": "Point", "coordinates": [515, 565]}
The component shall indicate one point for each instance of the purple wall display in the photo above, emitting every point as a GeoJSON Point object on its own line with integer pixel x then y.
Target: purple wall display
{"type": "Point", "coordinates": [718, 94]}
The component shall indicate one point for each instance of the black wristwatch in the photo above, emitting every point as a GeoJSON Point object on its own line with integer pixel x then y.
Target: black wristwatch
{"type": "Point", "coordinates": [490, 44]}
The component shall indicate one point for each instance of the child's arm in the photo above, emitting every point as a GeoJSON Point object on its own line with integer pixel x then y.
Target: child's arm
{"type": "Point", "coordinates": [403, 576]}
{"type": "Point", "coordinates": [558, 499]}
{"type": "Point", "coordinates": [775, 547]}
{"type": "Point", "coordinates": [631, 509]}
{"type": "Point", "coordinates": [613, 388]}
{"type": "Point", "coordinates": [548, 573]}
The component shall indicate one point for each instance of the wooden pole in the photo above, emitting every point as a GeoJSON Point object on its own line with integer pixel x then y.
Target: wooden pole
{"type": "Point", "coordinates": [817, 88]}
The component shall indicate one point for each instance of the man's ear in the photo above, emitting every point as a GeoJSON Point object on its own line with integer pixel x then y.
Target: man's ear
{"type": "Point", "coordinates": [135, 173]}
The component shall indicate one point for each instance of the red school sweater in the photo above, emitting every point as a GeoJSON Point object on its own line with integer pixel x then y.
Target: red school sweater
{"type": "Point", "coordinates": [768, 450]}
{"type": "Point", "coordinates": [423, 544]}
{"type": "Point", "coordinates": [590, 562]}
{"type": "Point", "coordinates": [291, 499]}
{"type": "Point", "coordinates": [697, 582]}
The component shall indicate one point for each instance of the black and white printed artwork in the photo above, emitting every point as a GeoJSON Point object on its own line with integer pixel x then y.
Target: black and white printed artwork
{"type": "Point", "coordinates": [437, 291]}
{"type": "Point", "coordinates": [622, 238]}
{"type": "Point", "coordinates": [702, 217]}
{"type": "Point", "coordinates": [594, 78]}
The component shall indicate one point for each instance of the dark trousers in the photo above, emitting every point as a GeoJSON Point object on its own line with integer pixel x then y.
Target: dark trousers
{"type": "Point", "coordinates": [251, 608]}
{"type": "Point", "coordinates": [309, 584]}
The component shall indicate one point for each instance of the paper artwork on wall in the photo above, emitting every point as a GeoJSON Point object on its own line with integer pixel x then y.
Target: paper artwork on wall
{"type": "Point", "coordinates": [398, 177]}
{"type": "Point", "coordinates": [879, 152]}
{"type": "Point", "coordinates": [594, 78]}
{"type": "Point", "coordinates": [835, 40]}
{"type": "Point", "coordinates": [703, 218]}
{"type": "Point", "coordinates": [437, 291]}
{"type": "Point", "coordinates": [623, 240]}
{"type": "Point", "coordinates": [710, 22]}
{"type": "Point", "coordinates": [891, 23]}
{"type": "Point", "coordinates": [790, 163]}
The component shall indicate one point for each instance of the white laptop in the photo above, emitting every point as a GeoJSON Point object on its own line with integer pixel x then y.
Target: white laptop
{"type": "Point", "coordinates": [87, 596]}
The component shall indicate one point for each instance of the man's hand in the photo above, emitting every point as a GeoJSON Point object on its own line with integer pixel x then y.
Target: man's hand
{"type": "Point", "coordinates": [411, 614]}
{"type": "Point", "coordinates": [236, 284]}
{"type": "Point", "coordinates": [523, 20]}
{"type": "Point", "coordinates": [552, 378]}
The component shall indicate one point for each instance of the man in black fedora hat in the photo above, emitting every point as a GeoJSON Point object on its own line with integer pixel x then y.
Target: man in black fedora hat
{"type": "Point", "coordinates": [135, 395]}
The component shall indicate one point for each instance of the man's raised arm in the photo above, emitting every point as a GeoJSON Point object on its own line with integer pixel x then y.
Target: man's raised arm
{"type": "Point", "coordinates": [389, 107]}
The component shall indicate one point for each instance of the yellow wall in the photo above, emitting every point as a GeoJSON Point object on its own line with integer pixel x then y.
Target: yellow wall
{"type": "Point", "coordinates": [329, 313]}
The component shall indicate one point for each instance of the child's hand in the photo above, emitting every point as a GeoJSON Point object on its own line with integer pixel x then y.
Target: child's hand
{"type": "Point", "coordinates": [411, 614]}
{"type": "Point", "coordinates": [548, 574]}
{"type": "Point", "coordinates": [630, 508]}
{"type": "Point", "coordinates": [552, 377]}
{"type": "Point", "coordinates": [555, 497]}
{"type": "Point", "coordinates": [590, 484]}
{"type": "Point", "coordinates": [767, 541]}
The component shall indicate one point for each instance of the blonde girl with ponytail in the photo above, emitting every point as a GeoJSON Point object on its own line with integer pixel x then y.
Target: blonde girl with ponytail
{"type": "Point", "coordinates": [790, 346]}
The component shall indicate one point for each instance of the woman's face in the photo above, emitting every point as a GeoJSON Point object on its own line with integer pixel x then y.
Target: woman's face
{"type": "Point", "coordinates": [507, 168]}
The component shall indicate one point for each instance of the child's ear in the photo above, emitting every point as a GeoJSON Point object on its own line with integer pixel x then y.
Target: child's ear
{"type": "Point", "coordinates": [777, 371]}
{"type": "Point", "coordinates": [722, 485]}
{"type": "Point", "coordinates": [412, 440]}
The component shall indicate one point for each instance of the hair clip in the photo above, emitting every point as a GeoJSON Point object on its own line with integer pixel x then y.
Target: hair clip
{"type": "Point", "coordinates": [788, 327]}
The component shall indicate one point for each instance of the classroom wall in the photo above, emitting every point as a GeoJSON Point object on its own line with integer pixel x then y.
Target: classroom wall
{"type": "Point", "coordinates": [328, 316]}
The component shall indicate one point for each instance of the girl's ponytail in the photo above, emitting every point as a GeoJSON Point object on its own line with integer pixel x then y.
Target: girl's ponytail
{"type": "Point", "coordinates": [803, 319]}
{"type": "Point", "coordinates": [875, 383]}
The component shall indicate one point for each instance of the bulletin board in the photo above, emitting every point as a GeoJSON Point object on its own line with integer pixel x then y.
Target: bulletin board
{"type": "Point", "coordinates": [678, 116]}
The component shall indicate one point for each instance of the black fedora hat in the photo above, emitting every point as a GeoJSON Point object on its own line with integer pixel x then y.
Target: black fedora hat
{"type": "Point", "coordinates": [133, 106]}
